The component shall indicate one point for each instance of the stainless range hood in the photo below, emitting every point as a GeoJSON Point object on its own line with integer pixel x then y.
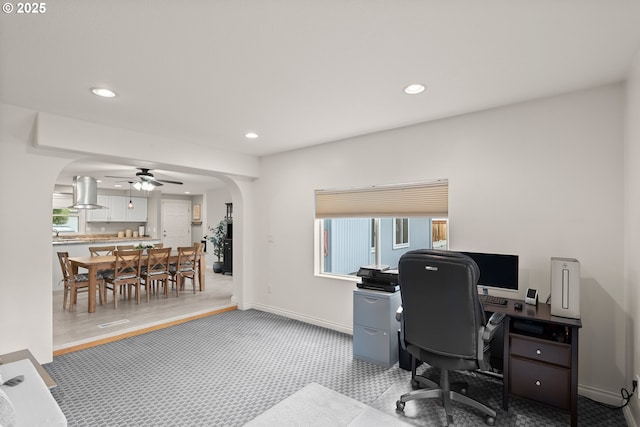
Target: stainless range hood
{"type": "Point", "coordinates": [85, 193]}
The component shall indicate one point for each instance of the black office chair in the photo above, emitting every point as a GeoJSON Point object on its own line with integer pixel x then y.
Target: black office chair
{"type": "Point", "coordinates": [443, 323]}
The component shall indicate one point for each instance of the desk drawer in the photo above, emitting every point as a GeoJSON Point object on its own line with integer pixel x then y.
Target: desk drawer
{"type": "Point", "coordinates": [541, 350]}
{"type": "Point", "coordinates": [539, 381]}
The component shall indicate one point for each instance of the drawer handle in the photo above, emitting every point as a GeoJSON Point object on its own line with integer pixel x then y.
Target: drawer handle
{"type": "Point", "coordinates": [538, 352]}
{"type": "Point", "coordinates": [371, 300]}
{"type": "Point", "coordinates": [538, 383]}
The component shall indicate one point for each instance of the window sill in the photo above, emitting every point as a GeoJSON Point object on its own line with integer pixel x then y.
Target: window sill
{"type": "Point", "coordinates": [353, 279]}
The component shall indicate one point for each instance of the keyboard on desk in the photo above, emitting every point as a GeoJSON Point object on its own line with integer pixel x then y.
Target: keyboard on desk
{"type": "Point", "coordinates": [491, 299]}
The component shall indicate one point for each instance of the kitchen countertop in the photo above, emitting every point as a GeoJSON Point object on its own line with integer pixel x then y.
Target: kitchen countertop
{"type": "Point", "coordinates": [97, 238]}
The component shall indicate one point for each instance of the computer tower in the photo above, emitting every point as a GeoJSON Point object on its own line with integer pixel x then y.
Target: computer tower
{"type": "Point", "coordinates": [565, 287]}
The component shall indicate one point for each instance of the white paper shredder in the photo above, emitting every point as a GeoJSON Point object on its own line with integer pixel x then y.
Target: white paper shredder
{"type": "Point", "coordinates": [565, 287]}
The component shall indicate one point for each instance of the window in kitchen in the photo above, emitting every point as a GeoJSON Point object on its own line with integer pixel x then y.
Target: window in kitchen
{"type": "Point", "coordinates": [65, 219]}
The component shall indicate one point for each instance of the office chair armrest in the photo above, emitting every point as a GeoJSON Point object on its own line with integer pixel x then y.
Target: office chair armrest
{"type": "Point", "coordinates": [492, 326]}
{"type": "Point", "coordinates": [399, 314]}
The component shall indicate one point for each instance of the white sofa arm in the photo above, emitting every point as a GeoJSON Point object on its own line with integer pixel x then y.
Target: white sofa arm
{"type": "Point", "coordinates": [32, 401]}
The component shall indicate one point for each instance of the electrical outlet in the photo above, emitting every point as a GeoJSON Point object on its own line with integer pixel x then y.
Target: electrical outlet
{"type": "Point", "coordinates": [269, 289]}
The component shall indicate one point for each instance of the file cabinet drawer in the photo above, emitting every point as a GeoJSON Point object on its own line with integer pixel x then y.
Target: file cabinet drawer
{"type": "Point", "coordinates": [375, 311]}
{"type": "Point", "coordinates": [541, 350]}
{"type": "Point", "coordinates": [541, 382]}
{"type": "Point", "coordinates": [375, 345]}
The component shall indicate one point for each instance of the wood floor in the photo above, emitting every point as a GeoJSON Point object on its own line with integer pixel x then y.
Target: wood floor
{"type": "Point", "coordinates": [80, 329]}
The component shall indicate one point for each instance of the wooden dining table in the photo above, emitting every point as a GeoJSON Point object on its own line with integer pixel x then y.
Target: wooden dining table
{"type": "Point", "coordinates": [104, 262]}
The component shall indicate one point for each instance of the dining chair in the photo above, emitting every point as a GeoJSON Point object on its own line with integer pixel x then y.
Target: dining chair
{"type": "Point", "coordinates": [125, 247]}
{"type": "Point", "coordinates": [102, 251]}
{"type": "Point", "coordinates": [184, 268]}
{"type": "Point", "coordinates": [156, 270]}
{"type": "Point", "coordinates": [126, 274]}
{"type": "Point", "coordinates": [200, 248]}
{"type": "Point", "coordinates": [74, 283]}
{"type": "Point", "coordinates": [158, 246]}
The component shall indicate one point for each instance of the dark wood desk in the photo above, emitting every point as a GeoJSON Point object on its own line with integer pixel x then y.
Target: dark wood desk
{"type": "Point", "coordinates": [540, 356]}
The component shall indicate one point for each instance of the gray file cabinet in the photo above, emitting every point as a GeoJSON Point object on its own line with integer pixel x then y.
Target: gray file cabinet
{"type": "Point", "coordinates": [375, 328]}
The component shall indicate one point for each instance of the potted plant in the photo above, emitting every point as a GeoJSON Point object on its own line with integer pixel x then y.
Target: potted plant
{"type": "Point", "coordinates": [217, 236]}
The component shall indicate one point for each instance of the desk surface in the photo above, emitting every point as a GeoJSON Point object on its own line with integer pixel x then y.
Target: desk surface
{"type": "Point", "coordinates": [540, 313]}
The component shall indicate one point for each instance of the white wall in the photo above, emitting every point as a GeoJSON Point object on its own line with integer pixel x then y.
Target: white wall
{"type": "Point", "coordinates": [538, 179]}
{"type": "Point", "coordinates": [25, 261]}
{"type": "Point", "coordinates": [632, 231]}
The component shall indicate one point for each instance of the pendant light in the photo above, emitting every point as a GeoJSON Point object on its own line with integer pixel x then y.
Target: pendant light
{"type": "Point", "coordinates": [130, 200]}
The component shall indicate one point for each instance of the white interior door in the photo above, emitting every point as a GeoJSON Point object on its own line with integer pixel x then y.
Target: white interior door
{"type": "Point", "coordinates": [176, 223]}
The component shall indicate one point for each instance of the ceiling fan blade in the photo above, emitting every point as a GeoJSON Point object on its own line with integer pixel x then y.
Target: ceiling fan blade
{"type": "Point", "coordinates": [150, 179]}
{"type": "Point", "coordinates": [119, 177]}
{"type": "Point", "coordinates": [166, 181]}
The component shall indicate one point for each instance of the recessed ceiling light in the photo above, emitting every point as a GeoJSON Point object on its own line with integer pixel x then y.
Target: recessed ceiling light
{"type": "Point", "coordinates": [414, 89]}
{"type": "Point", "coordinates": [187, 192]}
{"type": "Point", "coordinates": [105, 93]}
{"type": "Point", "coordinates": [117, 185]}
{"type": "Point", "coordinates": [251, 135]}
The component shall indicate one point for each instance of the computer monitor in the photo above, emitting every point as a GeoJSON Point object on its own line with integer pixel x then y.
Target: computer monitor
{"type": "Point", "coordinates": [497, 271]}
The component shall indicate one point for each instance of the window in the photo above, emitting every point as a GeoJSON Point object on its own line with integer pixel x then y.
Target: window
{"type": "Point", "coordinates": [65, 220]}
{"type": "Point", "coordinates": [376, 225]}
{"type": "Point", "coordinates": [400, 233]}
{"type": "Point", "coordinates": [439, 233]}
{"type": "Point", "coordinates": [350, 243]}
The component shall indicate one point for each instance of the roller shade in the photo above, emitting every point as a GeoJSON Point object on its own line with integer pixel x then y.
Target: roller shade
{"type": "Point", "coordinates": [62, 200]}
{"type": "Point", "coordinates": [425, 199]}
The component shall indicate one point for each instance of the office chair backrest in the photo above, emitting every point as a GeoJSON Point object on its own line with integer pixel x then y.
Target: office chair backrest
{"type": "Point", "coordinates": [441, 310]}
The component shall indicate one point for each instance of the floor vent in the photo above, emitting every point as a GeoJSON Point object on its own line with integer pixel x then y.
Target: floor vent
{"type": "Point", "coordinates": [114, 323]}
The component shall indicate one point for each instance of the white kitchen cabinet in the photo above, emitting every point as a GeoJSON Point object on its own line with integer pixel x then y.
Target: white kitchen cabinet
{"type": "Point", "coordinates": [117, 209]}
{"type": "Point", "coordinates": [139, 211]}
{"type": "Point", "coordinates": [102, 215]}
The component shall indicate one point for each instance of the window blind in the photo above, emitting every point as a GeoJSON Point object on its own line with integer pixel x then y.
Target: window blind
{"type": "Point", "coordinates": [424, 199]}
{"type": "Point", "coordinates": [62, 200]}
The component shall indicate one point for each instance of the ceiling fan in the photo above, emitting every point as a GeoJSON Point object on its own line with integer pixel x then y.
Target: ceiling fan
{"type": "Point", "coordinates": [145, 180]}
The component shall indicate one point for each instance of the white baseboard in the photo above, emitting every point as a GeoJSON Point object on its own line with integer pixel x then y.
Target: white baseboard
{"type": "Point", "coordinates": [302, 317]}
{"type": "Point", "coordinates": [599, 395]}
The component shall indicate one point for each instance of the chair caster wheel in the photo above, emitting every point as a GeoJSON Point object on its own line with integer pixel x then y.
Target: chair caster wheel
{"type": "Point", "coordinates": [399, 406]}
{"type": "Point", "coordinates": [489, 420]}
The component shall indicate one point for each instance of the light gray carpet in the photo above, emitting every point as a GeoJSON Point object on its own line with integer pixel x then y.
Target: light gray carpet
{"type": "Point", "coordinates": [227, 369]}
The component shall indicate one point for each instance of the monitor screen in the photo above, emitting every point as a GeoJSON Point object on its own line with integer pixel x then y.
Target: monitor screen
{"type": "Point", "coordinates": [496, 270]}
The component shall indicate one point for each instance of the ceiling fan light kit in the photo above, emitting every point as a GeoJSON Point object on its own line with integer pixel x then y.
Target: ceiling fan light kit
{"type": "Point", "coordinates": [144, 186]}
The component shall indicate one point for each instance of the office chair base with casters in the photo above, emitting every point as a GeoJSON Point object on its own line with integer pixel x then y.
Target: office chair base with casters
{"type": "Point", "coordinates": [444, 392]}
